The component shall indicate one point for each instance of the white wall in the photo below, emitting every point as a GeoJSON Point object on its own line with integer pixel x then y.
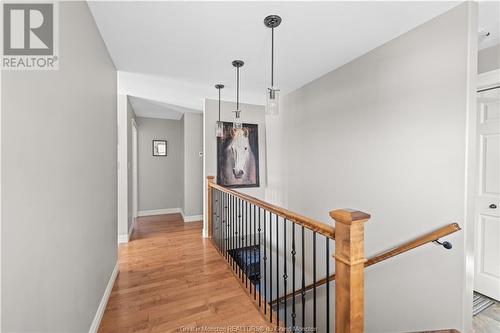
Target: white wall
{"type": "Point", "coordinates": [159, 177]}
{"type": "Point", "coordinates": [386, 134]}
{"type": "Point", "coordinates": [252, 114]}
{"type": "Point", "coordinates": [488, 59]}
{"type": "Point", "coordinates": [192, 131]}
{"type": "Point", "coordinates": [59, 229]}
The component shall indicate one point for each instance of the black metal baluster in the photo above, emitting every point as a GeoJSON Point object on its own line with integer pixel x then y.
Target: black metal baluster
{"type": "Point", "coordinates": [216, 218]}
{"type": "Point", "coordinates": [327, 284]}
{"type": "Point", "coordinates": [226, 226]}
{"type": "Point", "coordinates": [242, 244]}
{"type": "Point", "coordinates": [260, 275]}
{"type": "Point", "coordinates": [232, 232]}
{"type": "Point", "coordinates": [238, 231]}
{"type": "Point", "coordinates": [277, 274]}
{"type": "Point", "coordinates": [250, 247]}
{"type": "Point", "coordinates": [293, 277]}
{"type": "Point", "coordinates": [314, 279]}
{"type": "Point", "coordinates": [220, 221]}
{"type": "Point", "coordinates": [223, 226]}
{"type": "Point", "coordinates": [228, 222]}
{"type": "Point", "coordinates": [303, 293]}
{"type": "Point", "coordinates": [246, 245]}
{"type": "Point", "coordinates": [285, 276]}
{"type": "Point", "coordinates": [233, 240]}
{"type": "Point", "coordinates": [270, 265]}
{"type": "Point", "coordinates": [265, 264]}
{"type": "Point", "coordinates": [254, 273]}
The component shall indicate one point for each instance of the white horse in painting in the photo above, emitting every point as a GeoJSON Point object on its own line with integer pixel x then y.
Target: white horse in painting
{"type": "Point", "coordinates": [240, 165]}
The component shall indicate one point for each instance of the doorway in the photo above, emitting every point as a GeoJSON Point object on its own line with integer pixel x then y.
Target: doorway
{"type": "Point", "coordinates": [486, 304]}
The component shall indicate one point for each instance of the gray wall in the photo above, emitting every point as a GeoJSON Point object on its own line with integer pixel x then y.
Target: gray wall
{"type": "Point", "coordinates": [193, 164]}
{"type": "Point", "coordinates": [59, 228]}
{"type": "Point", "coordinates": [488, 59]}
{"type": "Point", "coordinates": [160, 178]}
{"type": "Point", "coordinates": [385, 134]}
{"type": "Point", "coordinates": [130, 115]}
{"type": "Point", "coordinates": [253, 114]}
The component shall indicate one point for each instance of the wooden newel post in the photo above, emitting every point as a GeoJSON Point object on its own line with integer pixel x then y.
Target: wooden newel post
{"type": "Point", "coordinates": [349, 270]}
{"type": "Point", "coordinates": [210, 179]}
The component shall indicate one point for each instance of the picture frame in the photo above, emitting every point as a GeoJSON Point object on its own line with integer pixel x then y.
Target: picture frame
{"type": "Point", "coordinates": [243, 143]}
{"type": "Point", "coordinates": [159, 148]}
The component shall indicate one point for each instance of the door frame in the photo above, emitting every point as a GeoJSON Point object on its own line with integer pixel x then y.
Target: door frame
{"type": "Point", "coordinates": [485, 80]}
{"type": "Point", "coordinates": [134, 172]}
{"type": "Point", "coordinates": [481, 81]}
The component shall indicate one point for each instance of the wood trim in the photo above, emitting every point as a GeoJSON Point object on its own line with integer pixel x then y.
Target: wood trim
{"type": "Point", "coordinates": [349, 268]}
{"type": "Point", "coordinates": [311, 224]}
{"type": "Point", "coordinates": [427, 238]}
{"type": "Point", "coordinates": [422, 240]}
{"type": "Point", "coordinates": [210, 180]}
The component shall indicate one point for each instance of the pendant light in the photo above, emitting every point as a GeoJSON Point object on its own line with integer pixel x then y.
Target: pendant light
{"type": "Point", "coordinates": [272, 95]}
{"type": "Point", "coordinates": [219, 125]}
{"type": "Point", "coordinates": [237, 124]}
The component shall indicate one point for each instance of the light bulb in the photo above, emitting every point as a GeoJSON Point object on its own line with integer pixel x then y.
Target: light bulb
{"type": "Point", "coordinates": [219, 129]}
{"type": "Point", "coordinates": [272, 101]}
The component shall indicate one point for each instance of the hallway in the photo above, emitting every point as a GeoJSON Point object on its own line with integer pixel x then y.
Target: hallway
{"type": "Point", "coordinates": [171, 277]}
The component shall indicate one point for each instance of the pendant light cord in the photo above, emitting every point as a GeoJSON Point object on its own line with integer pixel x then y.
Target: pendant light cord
{"type": "Point", "coordinates": [219, 104]}
{"type": "Point", "coordinates": [237, 88]}
{"type": "Point", "coordinates": [272, 57]}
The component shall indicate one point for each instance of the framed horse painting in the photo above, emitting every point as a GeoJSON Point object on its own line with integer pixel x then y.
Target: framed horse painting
{"type": "Point", "coordinates": [238, 156]}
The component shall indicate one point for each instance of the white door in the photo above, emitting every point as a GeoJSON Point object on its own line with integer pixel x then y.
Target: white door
{"type": "Point", "coordinates": [487, 242]}
{"type": "Point", "coordinates": [134, 170]}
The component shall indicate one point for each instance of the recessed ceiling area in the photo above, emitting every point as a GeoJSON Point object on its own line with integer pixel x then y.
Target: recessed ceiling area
{"type": "Point", "coordinates": [153, 109]}
{"type": "Point", "coordinates": [188, 46]}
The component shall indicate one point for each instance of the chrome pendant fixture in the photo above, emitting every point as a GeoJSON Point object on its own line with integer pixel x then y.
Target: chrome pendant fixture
{"type": "Point", "coordinates": [219, 125]}
{"type": "Point", "coordinates": [237, 124]}
{"type": "Point", "coordinates": [272, 95]}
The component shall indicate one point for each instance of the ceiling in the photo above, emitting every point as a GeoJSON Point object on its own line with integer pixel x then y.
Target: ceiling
{"type": "Point", "coordinates": [152, 109]}
{"type": "Point", "coordinates": [189, 46]}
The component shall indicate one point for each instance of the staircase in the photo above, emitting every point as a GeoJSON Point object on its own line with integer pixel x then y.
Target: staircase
{"type": "Point", "coordinates": [284, 260]}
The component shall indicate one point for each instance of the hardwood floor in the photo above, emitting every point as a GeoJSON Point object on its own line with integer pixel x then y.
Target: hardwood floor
{"type": "Point", "coordinates": [170, 277]}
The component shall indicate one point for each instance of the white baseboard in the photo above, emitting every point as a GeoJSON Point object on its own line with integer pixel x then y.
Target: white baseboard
{"type": "Point", "coordinates": [122, 239]}
{"type": "Point", "coordinates": [131, 229]}
{"type": "Point", "coordinates": [126, 238]}
{"type": "Point", "coordinates": [193, 218]}
{"type": "Point", "coordinates": [159, 211]}
{"type": "Point", "coordinates": [104, 301]}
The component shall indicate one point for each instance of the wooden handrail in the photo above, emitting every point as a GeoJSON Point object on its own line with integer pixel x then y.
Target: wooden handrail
{"type": "Point", "coordinates": [422, 240]}
{"type": "Point", "coordinates": [311, 224]}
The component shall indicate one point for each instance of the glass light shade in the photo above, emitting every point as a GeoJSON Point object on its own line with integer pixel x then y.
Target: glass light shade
{"type": "Point", "coordinates": [272, 101]}
{"type": "Point", "coordinates": [219, 129]}
{"type": "Point", "coordinates": [237, 124]}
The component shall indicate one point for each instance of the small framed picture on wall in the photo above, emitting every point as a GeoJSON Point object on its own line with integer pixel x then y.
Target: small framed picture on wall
{"type": "Point", "coordinates": [159, 147]}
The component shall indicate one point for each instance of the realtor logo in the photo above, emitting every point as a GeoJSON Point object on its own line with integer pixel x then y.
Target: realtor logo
{"type": "Point", "coordinates": [29, 32]}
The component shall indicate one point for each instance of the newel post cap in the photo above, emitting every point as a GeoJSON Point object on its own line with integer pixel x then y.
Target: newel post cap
{"type": "Point", "coordinates": [349, 216]}
{"type": "Point", "coordinates": [210, 178]}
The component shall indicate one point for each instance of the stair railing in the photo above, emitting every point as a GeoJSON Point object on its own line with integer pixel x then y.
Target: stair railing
{"type": "Point", "coordinates": [246, 232]}
{"type": "Point", "coordinates": [433, 236]}
{"type": "Point", "coordinates": [272, 250]}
